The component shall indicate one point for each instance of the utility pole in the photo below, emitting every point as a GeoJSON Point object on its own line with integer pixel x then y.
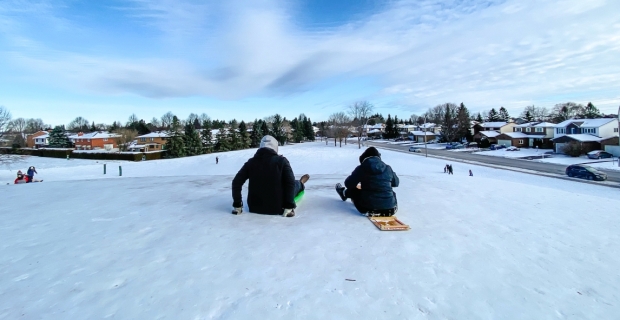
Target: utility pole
{"type": "Point", "coordinates": [425, 139]}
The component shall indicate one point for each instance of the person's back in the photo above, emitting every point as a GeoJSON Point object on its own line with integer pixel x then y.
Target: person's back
{"type": "Point", "coordinates": [370, 185]}
{"type": "Point", "coordinates": [272, 187]}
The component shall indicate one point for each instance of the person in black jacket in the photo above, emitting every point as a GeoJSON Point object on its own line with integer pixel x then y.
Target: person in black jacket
{"type": "Point", "coordinates": [370, 185]}
{"type": "Point", "coordinates": [272, 188]}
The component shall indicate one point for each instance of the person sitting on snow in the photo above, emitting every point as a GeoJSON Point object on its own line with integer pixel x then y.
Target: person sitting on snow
{"type": "Point", "coordinates": [370, 186]}
{"type": "Point", "coordinates": [272, 188]}
{"type": "Point", "coordinates": [21, 178]}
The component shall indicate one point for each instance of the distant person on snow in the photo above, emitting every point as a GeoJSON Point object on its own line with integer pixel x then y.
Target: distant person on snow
{"type": "Point", "coordinates": [450, 169]}
{"type": "Point", "coordinates": [272, 188]}
{"type": "Point", "coordinates": [30, 173]}
{"type": "Point", "coordinates": [21, 178]}
{"type": "Point", "coordinates": [370, 186]}
{"type": "Point", "coordinates": [217, 160]}
{"type": "Point", "coordinates": [471, 174]}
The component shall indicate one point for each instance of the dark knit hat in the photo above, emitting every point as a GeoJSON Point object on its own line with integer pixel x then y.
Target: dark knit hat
{"type": "Point", "coordinates": [370, 152]}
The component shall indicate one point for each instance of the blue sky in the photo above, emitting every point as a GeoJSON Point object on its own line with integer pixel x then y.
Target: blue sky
{"type": "Point", "coordinates": [104, 60]}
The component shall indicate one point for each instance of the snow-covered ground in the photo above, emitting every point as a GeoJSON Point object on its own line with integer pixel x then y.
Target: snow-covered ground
{"type": "Point", "coordinates": [523, 152]}
{"type": "Point", "coordinates": [160, 242]}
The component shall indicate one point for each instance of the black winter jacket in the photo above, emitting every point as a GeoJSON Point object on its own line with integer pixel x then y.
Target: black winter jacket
{"type": "Point", "coordinates": [272, 183]}
{"type": "Point", "coordinates": [377, 180]}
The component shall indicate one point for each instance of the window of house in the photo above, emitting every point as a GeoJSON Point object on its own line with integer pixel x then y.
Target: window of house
{"type": "Point", "coordinates": [152, 139]}
{"type": "Point", "coordinates": [521, 141]}
{"type": "Point", "coordinates": [540, 129]}
{"type": "Point", "coordinates": [518, 129]}
{"type": "Point", "coordinates": [615, 129]}
{"type": "Point", "coordinates": [142, 139]}
{"type": "Point", "coordinates": [572, 130]}
{"type": "Point", "coordinates": [88, 140]}
{"type": "Point", "coordinates": [528, 129]}
{"type": "Point", "coordinates": [105, 139]}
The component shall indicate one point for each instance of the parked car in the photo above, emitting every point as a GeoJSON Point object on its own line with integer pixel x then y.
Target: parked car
{"type": "Point", "coordinates": [586, 172]}
{"type": "Point", "coordinates": [453, 145]}
{"type": "Point", "coordinates": [415, 149]}
{"type": "Point", "coordinates": [398, 139]}
{"type": "Point", "coordinates": [497, 146]}
{"type": "Point", "coordinates": [512, 148]}
{"type": "Point", "coordinates": [599, 154]}
{"type": "Point", "coordinates": [472, 145]}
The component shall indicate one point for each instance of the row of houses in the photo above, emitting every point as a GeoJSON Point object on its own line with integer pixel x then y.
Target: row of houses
{"type": "Point", "coordinates": [592, 134]}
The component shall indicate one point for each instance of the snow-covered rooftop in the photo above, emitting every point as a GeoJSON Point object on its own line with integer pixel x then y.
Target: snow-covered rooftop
{"type": "Point", "coordinates": [517, 135]}
{"type": "Point", "coordinates": [493, 124]}
{"type": "Point", "coordinates": [583, 137]}
{"type": "Point", "coordinates": [422, 133]}
{"type": "Point", "coordinates": [94, 135]}
{"type": "Point", "coordinates": [527, 124]}
{"type": "Point", "coordinates": [160, 134]}
{"type": "Point", "coordinates": [587, 123]}
{"type": "Point", "coordinates": [490, 134]}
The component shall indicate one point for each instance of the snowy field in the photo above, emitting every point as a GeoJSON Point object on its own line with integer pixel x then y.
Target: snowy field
{"type": "Point", "coordinates": [160, 242]}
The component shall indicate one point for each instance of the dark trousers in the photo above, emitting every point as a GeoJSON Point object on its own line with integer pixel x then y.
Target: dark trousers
{"type": "Point", "coordinates": [355, 194]}
{"type": "Point", "coordinates": [299, 187]}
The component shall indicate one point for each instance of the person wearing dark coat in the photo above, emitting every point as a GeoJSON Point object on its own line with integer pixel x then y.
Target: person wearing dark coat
{"type": "Point", "coordinates": [272, 188]}
{"type": "Point", "coordinates": [370, 185]}
{"type": "Point", "coordinates": [30, 173]}
{"type": "Point", "coordinates": [450, 169]}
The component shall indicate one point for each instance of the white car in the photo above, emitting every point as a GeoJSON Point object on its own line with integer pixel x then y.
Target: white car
{"type": "Point", "coordinates": [512, 148]}
{"type": "Point", "coordinates": [415, 149]}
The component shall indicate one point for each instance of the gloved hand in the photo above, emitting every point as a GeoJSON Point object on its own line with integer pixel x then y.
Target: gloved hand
{"type": "Point", "coordinates": [237, 211]}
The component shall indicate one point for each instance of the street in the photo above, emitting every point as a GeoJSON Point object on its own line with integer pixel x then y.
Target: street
{"type": "Point", "coordinates": [612, 176]}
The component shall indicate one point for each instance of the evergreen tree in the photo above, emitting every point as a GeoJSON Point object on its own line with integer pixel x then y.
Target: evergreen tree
{"type": "Point", "coordinates": [308, 130]}
{"type": "Point", "coordinates": [464, 123]}
{"type": "Point", "coordinates": [222, 141]}
{"type": "Point", "coordinates": [264, 129]}
{"type": "Point", "coordinates": [493, 116]}
{"type": "Point", "coordinates": [93, 127]}
{"type": "Point", "coordinates": [389, 127]}
{"type": "Point", "coordinates": [206, 137]}
{"type": "Point", "coordinates": [255, 136]}
{"type": "Point", "coordinates": [590, 112]}
{"type": "Point", "coordinates": [479, 118]}
{"type": "Point", "coordinates": [192, 141]}
{"type": "Point", "coordinates": [175, 146]}
{"type": "Point", "coordinates": [235, 138]}
{"type": "Point", "coordinates": [277, 129]}
{"type": "Point", "coordinates": [58, 138]}
{"type": "Point", "coordinates": [244, 136]}
{"type": "Point", "coordinates": [113, 127]}
{"type": "Point", "coordinates": [528, 116]}
{"type": "Point", "coordinates": [503, 114]}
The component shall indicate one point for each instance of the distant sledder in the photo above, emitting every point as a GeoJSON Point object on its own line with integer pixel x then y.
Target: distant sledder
{"type": "Point", "coordinates": [370, 186]}
{"type": "Point", "coordinates": [272, 188]}
{"type": "Point", "coordinates": [21, 178]}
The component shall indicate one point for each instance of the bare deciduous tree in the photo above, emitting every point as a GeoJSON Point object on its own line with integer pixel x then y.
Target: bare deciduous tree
{"type": "Point", "coordinates": [537, 113]}
{"type": "Point", "coordinates": [18, 125]}
{"type": "Point", "coordinates": [204, 117]}
{"type": "Point", "coordinates": [126, 136]}
{"type": "Point", "coordinates": [155, 122]}
{"type": "Point", "coordinates": [5, 118]}
{"type": "Point", "coordinates": [360, 111]}
{"type": "Point", "coordinates": [34, 125]}
{"type": "Point", "coordinates": [340, 126]}
{"type": "Point", "coordinates": [166, 120]}
{"type": "Point", "coordinates": [78, 124]}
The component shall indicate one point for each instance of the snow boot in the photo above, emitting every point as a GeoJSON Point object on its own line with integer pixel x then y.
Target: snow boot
{"type": "Point", "coordinates": [288, 213]}
{"type": "Point", "coordinates": [340, 189]}
{"type": "Point", "coordinates": [237, 211]}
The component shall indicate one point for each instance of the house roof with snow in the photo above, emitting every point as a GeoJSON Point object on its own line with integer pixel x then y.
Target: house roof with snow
{"type": "Point", "coordinates": [586, 122]}
{"type": "Point", "coordinates": [516, 135]}
{"type": "Point", "coordinates": [489, 134]}
{"type": "Point", "coordinates": [94, 135]}
{"type": "Point", "coordinates": [581, 137]}
{"type": "Point", "coordinates": [545, 125]}
{"type": "Point", "coordinates": [498, 124]}
{"type": "Point", "coordinates": [422, 133]}
{"type": "Point", "coordinates": [161, 134]}
{"type": "Point", "coordinates": [428, 125]}
{"type": "Point", "coordinates": [527, 124]}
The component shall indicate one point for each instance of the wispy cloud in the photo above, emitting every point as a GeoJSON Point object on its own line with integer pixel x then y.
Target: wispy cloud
{"type": "Point", "coordinates": [485, 53]}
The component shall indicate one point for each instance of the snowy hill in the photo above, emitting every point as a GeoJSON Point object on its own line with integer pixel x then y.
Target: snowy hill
{"type": "Point", "coordinates": [160, 242]}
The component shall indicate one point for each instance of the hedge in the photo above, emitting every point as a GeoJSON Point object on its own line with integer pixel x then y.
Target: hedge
{"type": "Point", "coordinates": [62, 153]}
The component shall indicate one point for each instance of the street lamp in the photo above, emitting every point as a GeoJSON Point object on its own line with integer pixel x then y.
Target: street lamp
{"type": "Point", "coordinates": [425, 140]}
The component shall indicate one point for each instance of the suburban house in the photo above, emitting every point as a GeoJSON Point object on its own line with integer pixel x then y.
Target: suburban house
{"type": "Point", "coordinates": [153, 141]}
{"type": "Point", "coordinates": [536, 134]}
{"type": "Point", "coordinates": [500, 126]}
{"type": "Point", "coordinates": [488, 135]}
{"type": "Point", "coordinates": [588, 132]}
{"type": "Point", "coordinates": [405, 129]}
{"type": "Point", "coordinates": [375, 130]}
{"type": "Point", "coordinates": [38, 139]}
{"type": "Point", "coordinates": [99, 140]}
{"type": "Point", "coordinates": [517, 139]}
{"type": "Point", "coordinates": [422, 136]}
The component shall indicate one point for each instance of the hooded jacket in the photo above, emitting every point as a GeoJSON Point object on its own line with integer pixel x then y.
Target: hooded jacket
{"type": "Point", "coordinates": [377, 180]}
{"type": "Point", "coordinates": [272, 183]}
